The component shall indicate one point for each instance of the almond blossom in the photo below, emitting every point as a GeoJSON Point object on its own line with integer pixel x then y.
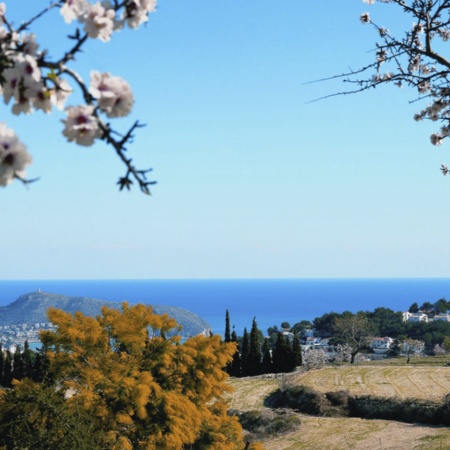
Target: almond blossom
{"type": "Point", "coordinates": [31, 80]}
{"type": "Point", "coordinates": [98, 21]}
{"type": "Point", "coordinates": [81, 125]}
{"type": "Point", "coordinates": [14, 157]}
{"type": "Point", "coordinates": [72, 10]}
{"type": "Point", "coordinates": [113, 94]}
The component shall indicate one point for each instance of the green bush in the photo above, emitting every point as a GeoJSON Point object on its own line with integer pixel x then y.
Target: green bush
{"type": "Point", "coordinates": [267, 422]}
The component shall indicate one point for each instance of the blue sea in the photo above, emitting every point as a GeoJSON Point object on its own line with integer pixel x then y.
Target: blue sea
{"type": "Point", "coordinates": [270, 301]}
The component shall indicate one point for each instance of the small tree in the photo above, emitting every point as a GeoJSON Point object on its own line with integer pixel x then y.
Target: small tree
{"type": "Point", "coordinates": [245, 350]}
{"type": "Point", "coordinates": [254, 355]}
{"type": "Point", "coordinates": [355, 330]}
{"type": "Point", "coordinates": [297, 349]}
{"type": "Point", "coordinates": [235, 366]}
{"type": "Point", "coordinates": [227, 327]}
{"type": "Point", "coordinates": [267, 365]}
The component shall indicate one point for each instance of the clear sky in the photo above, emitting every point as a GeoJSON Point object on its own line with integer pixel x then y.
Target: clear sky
{"type": "Point", "coordinates": [253, 181]}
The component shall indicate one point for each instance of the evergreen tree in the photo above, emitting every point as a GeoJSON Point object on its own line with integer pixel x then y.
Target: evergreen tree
{"type": "Point", "coordinates": [7, 371]}
{"type": "Point", "coordinates": [283, 355]}
{"type": "Point", "coordinates": [18, 371]}
{"type": "Point", "coordinates": [254, 354]}
{"type": "Point", "coordinates": [227, 327]}
{"type": "Point", "coordinates": [2, 364]}
{"type": "Point", "coordinates": [267, 365]}
{"type": "Point", "coordinates": [235, 370]}
{"type": "Point", "coordinates": [28, 358]}
{"type": "Point", "coordinates": [244, 353]}
{"type": "Point", "coordinates": [297, 349]}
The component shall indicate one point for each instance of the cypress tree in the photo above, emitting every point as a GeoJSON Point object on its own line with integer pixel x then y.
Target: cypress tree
{"type": "Point", "coordinates": [227, 327]}
{"type": "Point", "coordinates": [28, 358]}
{"type": "Point", "coordinates": [2, 363]}
{"type": "Point", "coordinates": [297, 349]}
{"type": "Point", "coordinates": [267, 365]}
{"type": "Point", "coordinates": [254, 354]}
{"type": "Point", "coordinates": [7, 371]}
{"type": "Point", "coordinates": [244, 353]}
{"type": "Point", "coordinates": [283, 355]}
{"type": "Point", "coordinates": [235, 369]}
{"type": "Point", "coordinates": [18, 371]}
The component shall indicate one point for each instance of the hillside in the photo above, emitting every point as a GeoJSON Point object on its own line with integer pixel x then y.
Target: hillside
{"type": "Point", "coordinates": [31, 308]}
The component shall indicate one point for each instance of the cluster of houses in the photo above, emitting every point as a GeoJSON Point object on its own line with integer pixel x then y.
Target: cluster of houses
{"type": "Point", "coordinates": [422, 317]}
{"type": "Point", "coordinates": [379, 345]}
{"type": "Point", "coordinates": [13, 335]}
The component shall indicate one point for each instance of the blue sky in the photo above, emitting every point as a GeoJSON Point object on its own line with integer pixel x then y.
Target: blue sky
{"type": "Point", "coordinates": [253, 181]}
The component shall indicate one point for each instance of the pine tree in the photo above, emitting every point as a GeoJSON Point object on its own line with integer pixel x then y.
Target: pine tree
{"type": "Point", "coordinates": [267, 365]}
{"type": "Point", "coordinates": [227, 327]}
{"type": "Point", "coordinates": [297, 349]}
{"type": "Point", "coordinates": [254, 354]}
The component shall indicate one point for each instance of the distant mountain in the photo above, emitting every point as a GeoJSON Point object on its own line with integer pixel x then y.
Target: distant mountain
{"type": "Point", "coordinates": [32, 308]}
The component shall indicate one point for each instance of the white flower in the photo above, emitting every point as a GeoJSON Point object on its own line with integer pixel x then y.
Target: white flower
{"type": "Point", "coordinates": [14, 157]}
{"type": "Point", "coordinates": [98, 22]}
{"type": "Point", "coordinates": [60, 93]}
{"type": "Point", "coordinates": [30, 46]}
{"type": "Point", "coordinates": [437, 139]}
{"type": "Point", "coordinates": [72, 10]}
{"type": "Point", "coordinates": [369, 2]}
{"type": "Point", "coordinates": [113, 94]}
{"type": "Point", "coordinates": [445, 131]}
{"type": "Point", "coordinates": [43, 101]}
{"type": "Point", "coordinates": [364, 17]}
{"type": "Point", "coordinates": [2, 12]}
{"type": "Point", "coordinates": [414, 64]}
{"type": "Point", "coordinates": [81, 125]}
{"type": "Point", "coordinates": [423, 87]}
{"type": "Point", "coordinates": [418, 28]}
{"type": "Point", "coordinates": [136, 11]}
{"type": "Point", "coordinates": [445, 34]}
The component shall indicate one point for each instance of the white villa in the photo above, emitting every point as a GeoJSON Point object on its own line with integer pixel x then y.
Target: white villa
{"type": "Point", "coordinates": [381, 344]}
{"type": "Point", "coordinates": [415, 317]}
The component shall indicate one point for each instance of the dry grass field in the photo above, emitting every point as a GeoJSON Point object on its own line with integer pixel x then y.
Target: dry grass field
{"type": "Point", "coordinates": [419, 381]}
{"type": "Point", "coordinates": [402, 381]}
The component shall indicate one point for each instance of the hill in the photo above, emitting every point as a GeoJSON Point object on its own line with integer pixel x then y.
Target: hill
{"type": "Point", "coordinates": [32, 308]}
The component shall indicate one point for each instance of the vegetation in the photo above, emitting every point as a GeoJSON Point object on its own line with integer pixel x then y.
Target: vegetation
{"type": "Point", "coordinates": [126, 384]}
{"type": "Point", "coordinates": [255, 355]}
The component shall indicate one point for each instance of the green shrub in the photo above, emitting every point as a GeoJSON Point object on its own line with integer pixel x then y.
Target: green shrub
{"type": "Point", "coordinates": [267, 422]}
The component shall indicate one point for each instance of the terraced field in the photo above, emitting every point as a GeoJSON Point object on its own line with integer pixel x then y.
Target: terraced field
{"type": "Point", "coordinates": [320, 433]}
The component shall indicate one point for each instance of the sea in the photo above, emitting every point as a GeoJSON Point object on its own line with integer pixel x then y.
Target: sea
{"type": "Point", "coordinates": [269, 301]}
